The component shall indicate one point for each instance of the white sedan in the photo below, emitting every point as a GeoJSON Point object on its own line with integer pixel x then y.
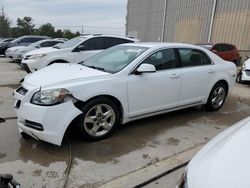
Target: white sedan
{"type": "Point", "coordinates": [223, 162]}
{"type": "Point", "coordinates": [244, 74]}
{"type": "Point", "coordinates": [119, 85]}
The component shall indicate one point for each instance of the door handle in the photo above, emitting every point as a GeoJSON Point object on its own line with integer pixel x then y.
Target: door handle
{"type": "Point", "coordinates": [174, 76]}
{"type": "Point", "coordinates": [211, 71]}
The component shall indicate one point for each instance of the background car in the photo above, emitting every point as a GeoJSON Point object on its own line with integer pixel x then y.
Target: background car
{"type": "Point", "coordinates": [121, 84]}
{"type": "Point", "coordinates": [226, 51]}
{"type": "Point", "coordinates": [16, 53]}
{"type": "Point", "coordinates": [73, 51]}
{"type": "Point", "coordinates": [3, 44]}
{"type": "Point", "coordinates": [23, 41]}
{"type": "Point", "coordinates": [223, 162]}
{"type": "Point", "coordinates": [244, 73]}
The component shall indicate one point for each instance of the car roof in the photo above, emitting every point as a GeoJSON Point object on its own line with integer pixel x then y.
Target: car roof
{"type": "Point", "coordinates": [163, 44]}
{"type": "Point", "coordinates": [103, 35]}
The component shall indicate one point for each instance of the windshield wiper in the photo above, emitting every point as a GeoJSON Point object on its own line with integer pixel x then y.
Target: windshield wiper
{"type": "Point", "coordinates": [94, 67]}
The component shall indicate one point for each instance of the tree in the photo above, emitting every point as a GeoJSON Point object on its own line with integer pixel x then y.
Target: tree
{"type": "Point", "coordinates": [77, 34]}
{"type": "Point", "coordinates": [47, 30]}
{"type": "Point", "coordinates": [68, 34]}
{"type": "Point", "coordinates": [58, 34]}
{"type": "Point", "coordinates": [4, 26]}
{"type": "Point", "coordinates": [25, 25]}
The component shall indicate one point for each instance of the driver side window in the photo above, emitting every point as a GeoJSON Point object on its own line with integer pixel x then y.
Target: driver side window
{"type": "Point", "coordinates": [163, 59]}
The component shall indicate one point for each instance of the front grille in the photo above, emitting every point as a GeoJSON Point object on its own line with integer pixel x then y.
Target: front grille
{"type": "Point", "coordinates": [247, 72]}
{"type": "Point", "coordinates": [22, 90]}
{"type": "Point", "coordinates": [33, 125]}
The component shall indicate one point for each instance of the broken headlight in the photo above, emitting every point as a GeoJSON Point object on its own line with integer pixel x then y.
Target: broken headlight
{"type": "Point", "coordinates": [49, 97]}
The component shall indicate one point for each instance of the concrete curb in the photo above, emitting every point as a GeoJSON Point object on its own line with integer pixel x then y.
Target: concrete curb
{"type": "Point", "coordinates": [137, 177]}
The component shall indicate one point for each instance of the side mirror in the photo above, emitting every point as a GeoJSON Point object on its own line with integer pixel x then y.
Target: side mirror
{"type": "Point", "coordinates": [80, 48]}
{"type": "Point", "coordinates": [145, 68]}
{"type": "Point", "coordinates": [38, 46]}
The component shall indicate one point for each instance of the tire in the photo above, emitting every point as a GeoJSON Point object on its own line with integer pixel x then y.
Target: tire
{"type": "Point", "coordinates": [93, 124]}
{"type": "Point", "coordinates": [216, 97]}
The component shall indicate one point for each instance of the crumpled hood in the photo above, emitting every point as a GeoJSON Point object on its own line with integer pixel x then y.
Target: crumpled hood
{"type": "Point", "coordinates": [60, 73]}
{"type": "Point", "coordinates": [223, 162]}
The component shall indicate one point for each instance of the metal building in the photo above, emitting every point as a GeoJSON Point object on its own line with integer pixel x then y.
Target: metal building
{"type": "Point", "coordinates": [190, 21]}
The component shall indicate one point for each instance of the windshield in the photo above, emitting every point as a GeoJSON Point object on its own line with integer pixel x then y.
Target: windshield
{"type": "Point", "coordinates": [70, 43]}
{"type": "Point", "coordinates": [114, 59]}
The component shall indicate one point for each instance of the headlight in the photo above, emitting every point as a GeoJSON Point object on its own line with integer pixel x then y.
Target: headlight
{"type": "Point", "coordinates": [22, 51]}
{"type": "Point", "coordinates": [15, 50]}
{"type": "Point", "coordinates": [37, 56]}
{"type": "Point", "coordinates": [183, 181]}
{"type": "Point", "coordinates": [244, 66]}
{"type": "Point", "coordinates": [49, 97]}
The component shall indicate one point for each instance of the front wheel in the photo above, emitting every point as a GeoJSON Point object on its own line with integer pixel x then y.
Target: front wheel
{"type": "Point", "coordinates": [216, 97]}
{"type": "Point", "coordinates": [98, 120]}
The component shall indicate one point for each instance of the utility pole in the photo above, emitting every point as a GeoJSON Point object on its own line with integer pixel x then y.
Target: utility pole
{"type": "Point", "coordinates": [82, 29]}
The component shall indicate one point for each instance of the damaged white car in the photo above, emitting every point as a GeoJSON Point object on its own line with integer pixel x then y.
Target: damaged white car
{"type": "Point", "coordinates": [121, 84]}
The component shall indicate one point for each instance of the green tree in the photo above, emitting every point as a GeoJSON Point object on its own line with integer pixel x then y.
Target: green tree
{"type": "Point", "coordinates": [77, 34]}
{"type": "Point", "coordinates": [4, 26]}
{"type": "Point", "coordinates": [47, 30]}
{"type": "Point", "coordinates": [25, 26]}
{"type": "Point", "coordinates": [58, 34]}
{"type": "Point", "coordinates": [68, 34]}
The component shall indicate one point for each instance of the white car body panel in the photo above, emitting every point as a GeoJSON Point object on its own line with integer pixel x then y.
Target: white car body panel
{"type": "Point", "coordinates": [64, 55]}
{"type": "Point", "coordinates": [11, 52]}
{"type": "Point", "coordinates": [246, 73]}
{"type": "Point", "coordinates": [224, 161]}
{"type": "Point", "coordinates": [139, 95]}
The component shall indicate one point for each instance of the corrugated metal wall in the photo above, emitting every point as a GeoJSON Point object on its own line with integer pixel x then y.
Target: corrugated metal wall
{"type": "Point", "coordinates": [189, 21]}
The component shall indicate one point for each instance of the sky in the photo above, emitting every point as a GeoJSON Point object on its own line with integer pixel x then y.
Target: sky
{"type": "Point", "coordinates": [96, 16]}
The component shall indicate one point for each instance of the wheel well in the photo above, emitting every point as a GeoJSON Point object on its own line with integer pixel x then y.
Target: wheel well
{"type": "Point", "coordinates": [58, 61]}
{"type": "Point", "coordinates": [224, 82]}
{"type": "Point", "coordinates": [79, 103]}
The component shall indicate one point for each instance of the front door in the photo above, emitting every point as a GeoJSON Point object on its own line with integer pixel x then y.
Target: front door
{"type": "Point", "coordinates": [153, 92]}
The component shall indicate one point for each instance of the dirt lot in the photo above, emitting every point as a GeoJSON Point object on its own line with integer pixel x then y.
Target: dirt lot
{"type": "Point", "coordinates": [133, 147]}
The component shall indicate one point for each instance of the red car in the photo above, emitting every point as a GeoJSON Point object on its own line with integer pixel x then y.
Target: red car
{"type": "Point", "coordinates": [226, 51]}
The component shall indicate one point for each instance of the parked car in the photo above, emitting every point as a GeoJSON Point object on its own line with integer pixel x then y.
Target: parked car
{"type": "Point", "coordinates": [226, 51]}
{"type": "Point", "coordinates": [223, 162]}
{"type": "Point", "coordinates": [16, 53]}
{"type": "Point", "coordinates": [244, 73]}
{"type": "Point", "coordinates": [119, 85]}
{"type": "Point", "coordinates": [23, 41]}
{"type": "Point", "coordinates": [4, 43]}
{"type": "Point", "coordinates": [73, 51]}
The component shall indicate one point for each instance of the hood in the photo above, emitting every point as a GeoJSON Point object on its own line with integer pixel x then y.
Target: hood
{"type": "Point", "coordinates": [61, 73]}
{"type": "Point", "coordinates": [224, 161]}
{"type": "Point", "coordinates": [15, 48]}
{"type": "Point", "coordinates": [42, 50]}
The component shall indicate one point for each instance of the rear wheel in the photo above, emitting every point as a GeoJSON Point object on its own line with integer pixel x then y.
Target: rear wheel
{"type": "Point", "coordinates": [99, 119]}
{"type": "Point", "coordinates": [217, 97]}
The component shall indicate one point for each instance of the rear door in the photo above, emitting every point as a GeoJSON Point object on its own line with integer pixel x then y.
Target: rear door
{"type": "Point", "coordinates": [154, 92]}
{"type": "Point", "coordinates": [197, 74]}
